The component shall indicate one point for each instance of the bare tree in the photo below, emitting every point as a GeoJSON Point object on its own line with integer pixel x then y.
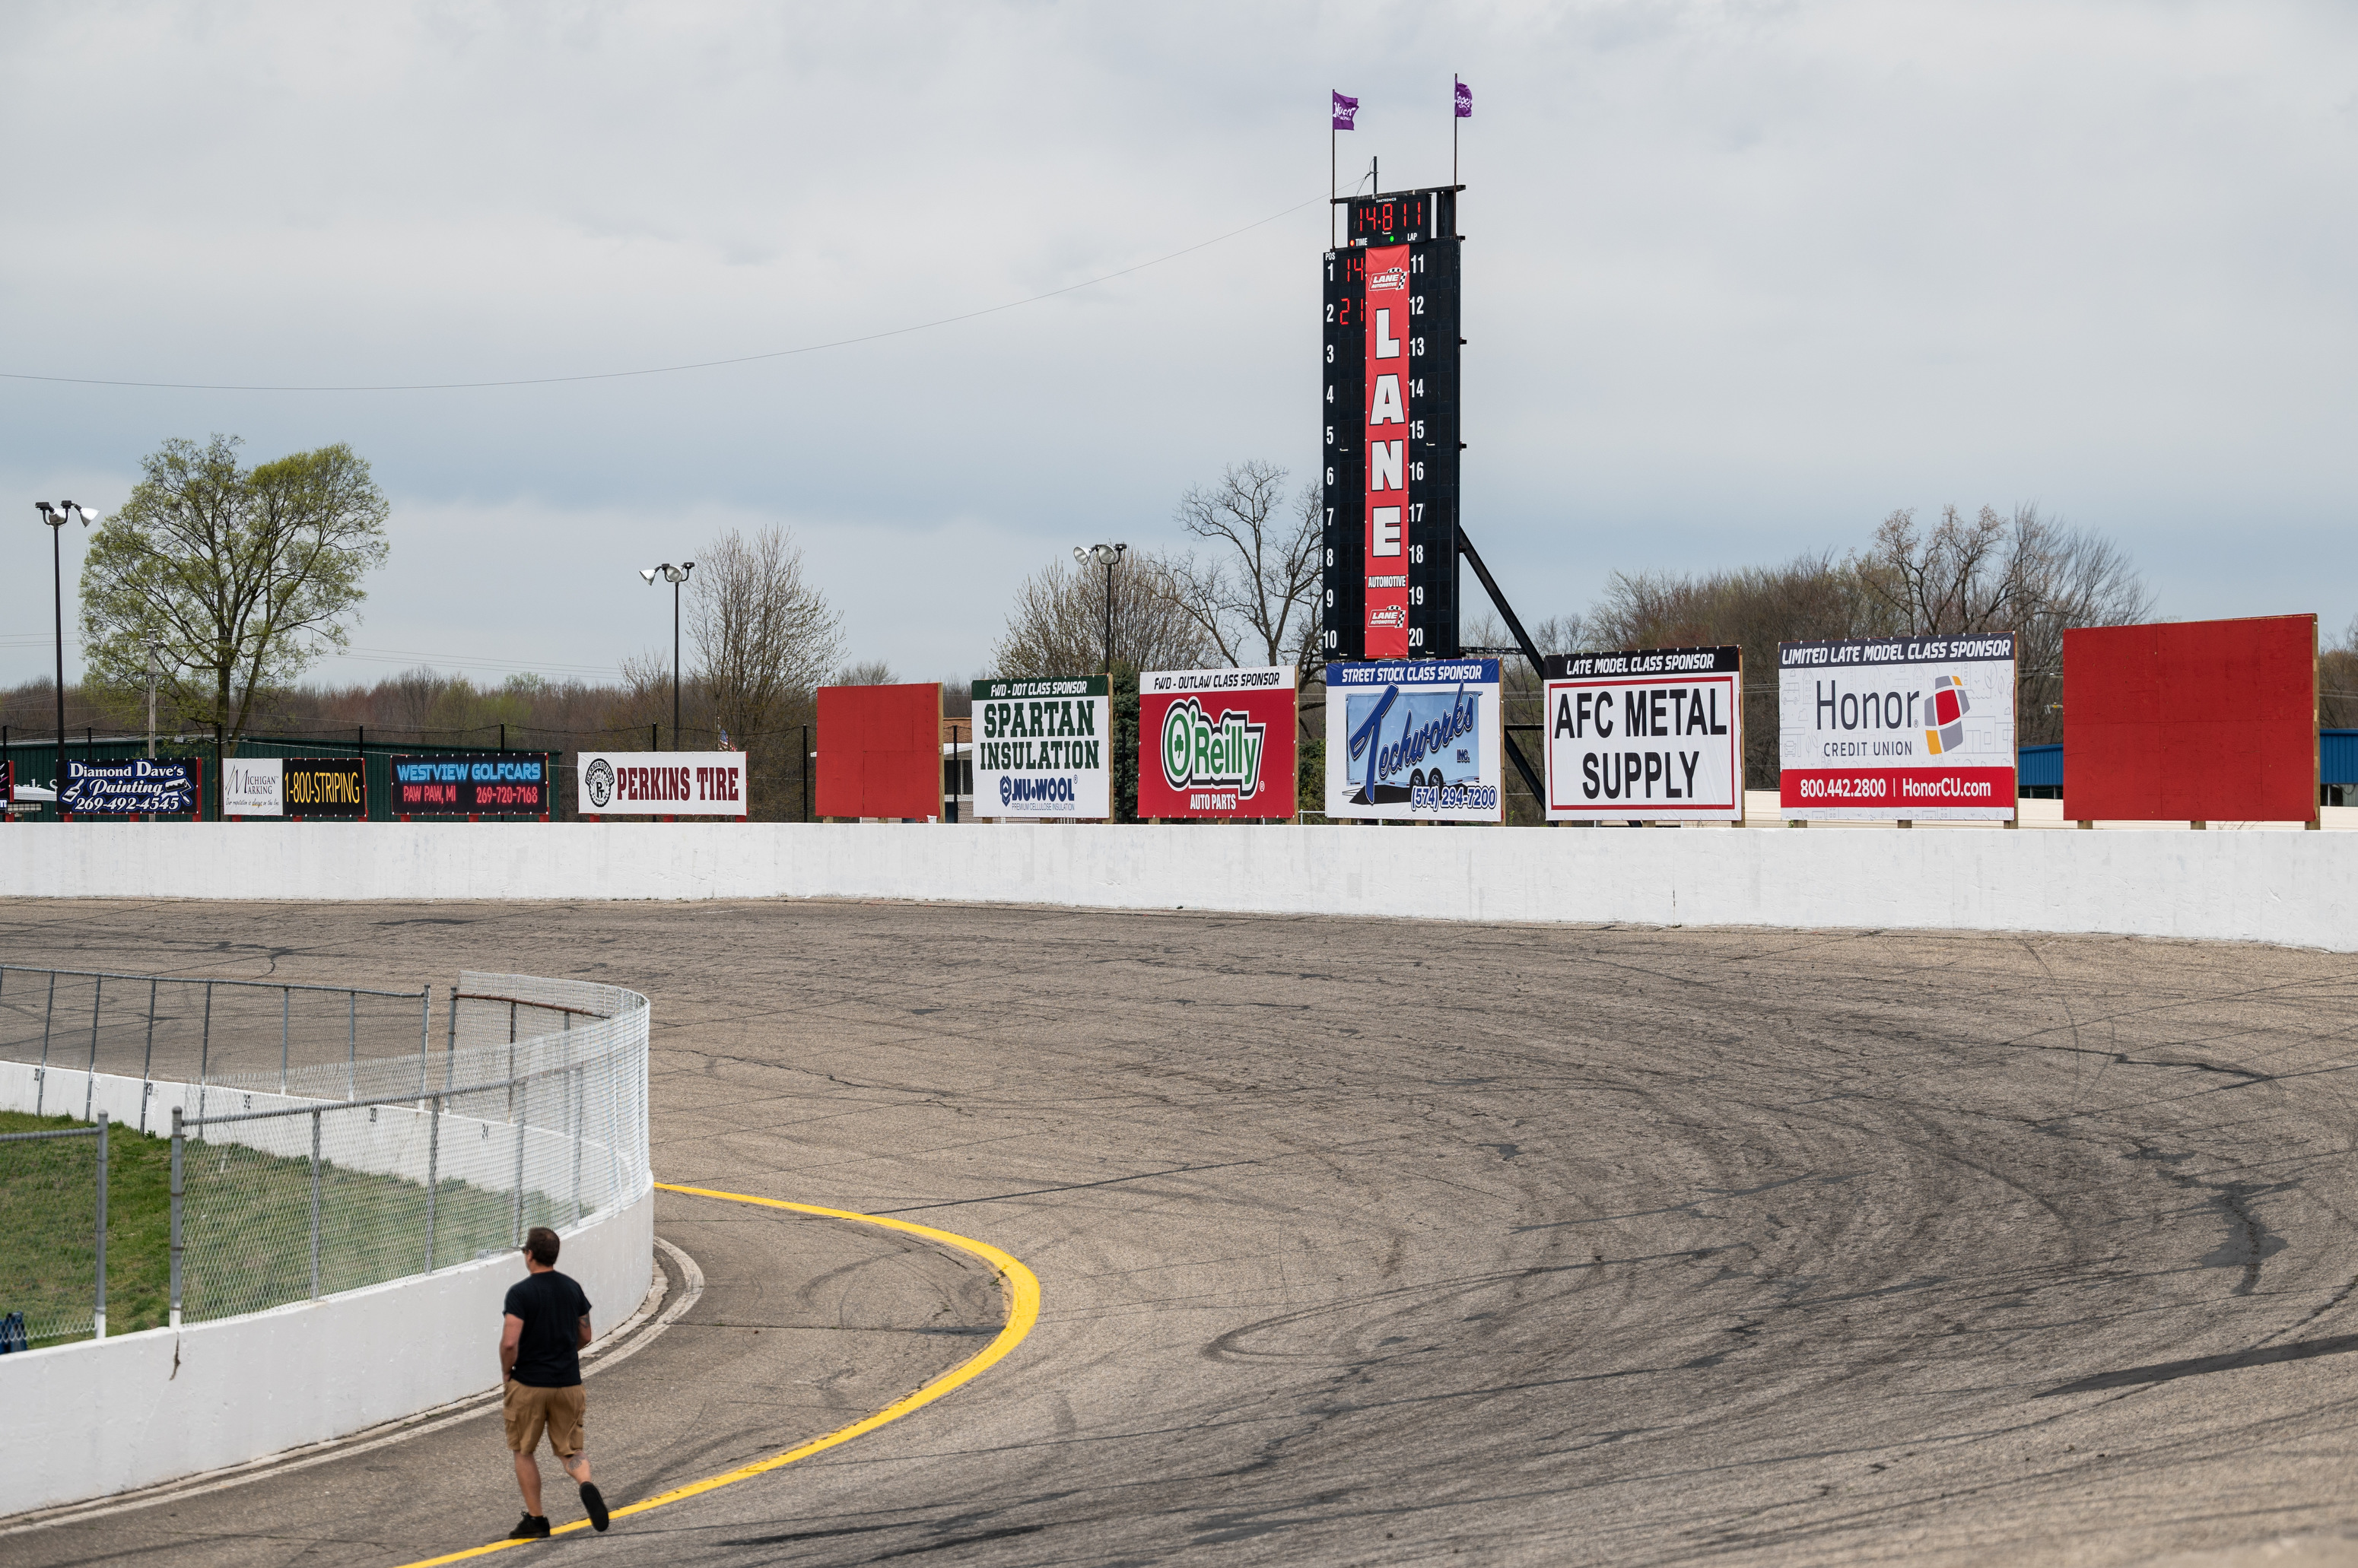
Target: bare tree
{"type": "Point", "coordinates": [2023, 573]}
{"type": "Point", "coordinates": [2337, 682]}
{"type": "Point", "coordinates": [867, 672]}
{"type": "Point", "coordinates": [763, 635]}
{"type": "Point", "coordinates": [1057, 625]}
{"type": "Point", "coordinates": [1254, 597]}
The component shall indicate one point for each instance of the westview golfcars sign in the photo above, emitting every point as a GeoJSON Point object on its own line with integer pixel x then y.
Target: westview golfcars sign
{"type": "Point", "coordinates": [1413, 742]}
{"type": "Point", "coordinates": [1216, 743]}
{"type": "Point", "coordinates": [1913, 729]}
{"type": "Point", "coordinates": [1652, 735]}
{"type": "Point", "coordinates": [1041, 747]}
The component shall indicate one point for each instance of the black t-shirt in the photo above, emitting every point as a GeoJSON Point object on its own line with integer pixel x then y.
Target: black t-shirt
{"type": "Point", "coordinates": [548, 1352]}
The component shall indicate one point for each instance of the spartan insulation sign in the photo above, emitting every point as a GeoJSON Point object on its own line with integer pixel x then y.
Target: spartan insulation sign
{"type": "Point", "coordinates": [1042, 748]}
{"type": "Point", "coordinates": [1388, 589]}
{"type": "Point", "coordinates": [1913, 729]}
{"type": "Point", "coordinates": [1653, 735]}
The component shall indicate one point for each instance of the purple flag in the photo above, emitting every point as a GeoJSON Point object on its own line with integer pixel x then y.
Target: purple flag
{"type": "Point", "coordinates": [1344, 109]}
{"type": "Point", "coordinates": [1464, 102]}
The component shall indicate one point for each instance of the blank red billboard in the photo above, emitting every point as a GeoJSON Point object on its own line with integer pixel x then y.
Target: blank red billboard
{"type": "Point", "coordinates": [2191, 722]}
{"type": "Point", "coordinates": [880, 751]}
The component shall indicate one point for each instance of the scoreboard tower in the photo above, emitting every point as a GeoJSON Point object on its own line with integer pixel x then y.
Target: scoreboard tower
{"type": "Point", "coordinates": [1388, 589]}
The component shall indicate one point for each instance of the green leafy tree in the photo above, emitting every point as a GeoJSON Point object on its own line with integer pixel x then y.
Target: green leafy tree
{"type": "Point", "coordinates": [238, 577]}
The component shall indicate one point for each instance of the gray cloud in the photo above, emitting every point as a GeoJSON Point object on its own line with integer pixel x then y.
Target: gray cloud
{"type": "Point", "coordinates": [1741, 279]}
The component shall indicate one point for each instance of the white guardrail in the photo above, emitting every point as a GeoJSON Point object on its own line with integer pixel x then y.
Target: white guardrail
{"type": "Point", "coordinates": [96, 1417]}
{"type": "Point", "coordinates": [2300, 889]}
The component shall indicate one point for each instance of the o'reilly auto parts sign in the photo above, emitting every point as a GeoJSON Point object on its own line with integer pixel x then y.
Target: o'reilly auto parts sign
{"type": "Point", "coordinates": [1042, 748]}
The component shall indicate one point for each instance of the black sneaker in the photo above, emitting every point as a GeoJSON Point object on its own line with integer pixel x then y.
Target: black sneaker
{"type": "Point", "coordinates": [595, 1502]}
{"type": "Point", "coordinates": [532, 1527]}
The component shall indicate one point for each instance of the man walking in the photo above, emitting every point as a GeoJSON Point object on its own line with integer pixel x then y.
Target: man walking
{"type": "Point", "coordinates": [547, 1323]}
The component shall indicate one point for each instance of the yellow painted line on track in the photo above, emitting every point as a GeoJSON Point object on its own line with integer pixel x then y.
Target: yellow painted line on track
{"type": "Point", "coordinates": [1023, 1311]}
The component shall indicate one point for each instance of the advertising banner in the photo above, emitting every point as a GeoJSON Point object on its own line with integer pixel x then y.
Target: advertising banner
{"type": "Point", "coordinates": [1041, 747]}
{"type": "Point", "coordinates": [471, 783]}
{"type": "Point", "coordinates": [1216, 742]}
{"type": "Point", "coordinates": [1414, 741]}
{"type": "Point", "coordinates": [294, 786]}
{"type": "Point", "coordinates": [1652, 735]}
{"type": "Point", "coordinates": [662, 784]}
{"type": "Point", "coordinates": [133, 787]}
{"type": "Point", "coordinates": [1914, 729]}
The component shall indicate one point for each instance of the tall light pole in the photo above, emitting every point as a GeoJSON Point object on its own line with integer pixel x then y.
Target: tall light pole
{"type": "Point", "coordinates": [673, 575]}
{"type": "Point", "coordinates": [57, 517]}
{"type": "Point", "coordinates": [1104, 556]}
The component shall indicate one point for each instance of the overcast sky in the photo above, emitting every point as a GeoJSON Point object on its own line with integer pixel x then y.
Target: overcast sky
{"type": "Point", "coordinates": [1740, 280]}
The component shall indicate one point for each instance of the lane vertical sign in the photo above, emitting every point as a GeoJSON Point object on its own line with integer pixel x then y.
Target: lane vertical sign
{"type": "Point", "coordinates": [1649, 735]}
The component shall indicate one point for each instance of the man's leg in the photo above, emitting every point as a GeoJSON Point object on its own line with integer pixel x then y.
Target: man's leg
{"type": "Point", "coordinates": [579, 1468]}
{"type": "Point", "coordinates": [527, 1472]}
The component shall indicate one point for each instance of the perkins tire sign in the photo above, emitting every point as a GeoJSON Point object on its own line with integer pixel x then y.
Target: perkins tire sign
{"type": "Point", "coordinates": [1910, 729]}
{"type": "Point", "coordinates": [1042, 748]}
{"type": "Point", "coordinates": [1216, 743]}
{"type": "Point", "coordinates": [1655, 735]}
{"type": "Point", "coordinates": [1414, 741]}
{"type": "Point", "coordinates": [662, 784]}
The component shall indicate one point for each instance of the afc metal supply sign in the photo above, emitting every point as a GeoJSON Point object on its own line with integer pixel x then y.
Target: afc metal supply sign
{"type": "Point", "coordinates": [1041, 747]}
{"type": "Point", "coordinates": [1914, 729]}
{"type": "Point", "coordinates": [134, 787]}
{"type": "Point", "coordinates": [1216, 742]}
{"type": "Point", "coordinates": [294, 786]}
{"type": "Point", "coordinates": [1652, 735]}
{"type": "Point", "coordinates": [662, 784]}
{"type": "Point", "coordinates": [473, 784]}
{"type": "Point", "coordinates": [1413, 742]}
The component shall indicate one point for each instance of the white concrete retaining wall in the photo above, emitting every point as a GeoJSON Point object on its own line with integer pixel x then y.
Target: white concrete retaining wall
{"type": "Point", "coordinates": [2300, 889]}
{"type": "Point", "coordinates": [94, 1418]}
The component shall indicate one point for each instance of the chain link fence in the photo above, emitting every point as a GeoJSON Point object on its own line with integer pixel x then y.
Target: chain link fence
{"type": "Point", "coordinates": [324, 1139]}
{"type": "Point", "coordinates": [52, 1236]}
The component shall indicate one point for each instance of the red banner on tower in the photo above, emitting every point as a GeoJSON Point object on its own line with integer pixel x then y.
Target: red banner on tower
{"type": "Point", "coordinates": [1387, 410]}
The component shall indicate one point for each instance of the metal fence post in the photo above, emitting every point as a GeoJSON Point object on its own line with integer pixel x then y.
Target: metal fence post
{"type": "Point", "coordinates": [175, 1217]}
{"type": "Point", "coordinates": [147, 1062]}
{"type": "Point", "coordinates": [424, 1031]}
{"type": "Point", "coordinates": [99, 1318]}
{"type": "Point", "coordinates": [450, 1053]}
{"type": "Point", "coordinates": [205, 1052]}
{"type": "Point", "coordinates": [315, 1206]}
{"type": "Point", "coordinates": [579, 1114]}
{"type": "Point", "coordinates": [433, 1173]}
{"type": "Point", "coordinates": [41, 1075]}
{"type": "Point", "coordinates": [521, 1118]}
{"type": "Point", "coordinates": [89, 1081]}
{"type": "Point", "coordinates": [286, 999]}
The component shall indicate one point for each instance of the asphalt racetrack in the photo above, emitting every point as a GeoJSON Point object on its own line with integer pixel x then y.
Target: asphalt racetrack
{"type": "Point", "coordinates": [1370, 1241]}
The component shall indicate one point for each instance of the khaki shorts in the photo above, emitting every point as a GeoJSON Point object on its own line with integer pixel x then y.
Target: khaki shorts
{"type": "Point", "coordinates": [559, 1412]}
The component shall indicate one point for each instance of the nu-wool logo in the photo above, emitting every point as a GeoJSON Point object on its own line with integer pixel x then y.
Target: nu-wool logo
{"type": "Point", "coordinates": [1198, 750]}
{"type": "Point", "coordinates": [1949, 705]}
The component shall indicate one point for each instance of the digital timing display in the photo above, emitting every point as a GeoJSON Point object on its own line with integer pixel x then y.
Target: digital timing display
{"type": "Point", "coordinates": [1389, 419]}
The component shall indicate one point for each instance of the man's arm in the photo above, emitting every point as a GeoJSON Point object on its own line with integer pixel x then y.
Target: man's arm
{"type": "Point", "coordinates": [585, 1330]}
{"type": "Point", "coordinates": [511, 1336]}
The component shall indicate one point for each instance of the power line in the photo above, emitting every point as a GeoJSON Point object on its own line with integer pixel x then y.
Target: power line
{"type": "Point", "coordinates": [673, 370]}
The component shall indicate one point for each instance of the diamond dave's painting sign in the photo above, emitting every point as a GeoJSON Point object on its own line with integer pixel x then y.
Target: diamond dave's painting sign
{"type": "Point", "coordinates": [132, 787]}
{"type": "Point", "coordinates": [1908, 729]}
{"type": "Point", "coordinates": [1414, 741]}
{"type": "Point", "coordinates": [1216, 743]}
{"type": "Point", "coordinates": [1042, 748]}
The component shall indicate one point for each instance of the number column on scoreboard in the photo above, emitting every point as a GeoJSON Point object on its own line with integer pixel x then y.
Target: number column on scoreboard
{"type": "Point", "coordinates": [1432, 457]}
{"type": "Point", "coordinates": [1343, 466]}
